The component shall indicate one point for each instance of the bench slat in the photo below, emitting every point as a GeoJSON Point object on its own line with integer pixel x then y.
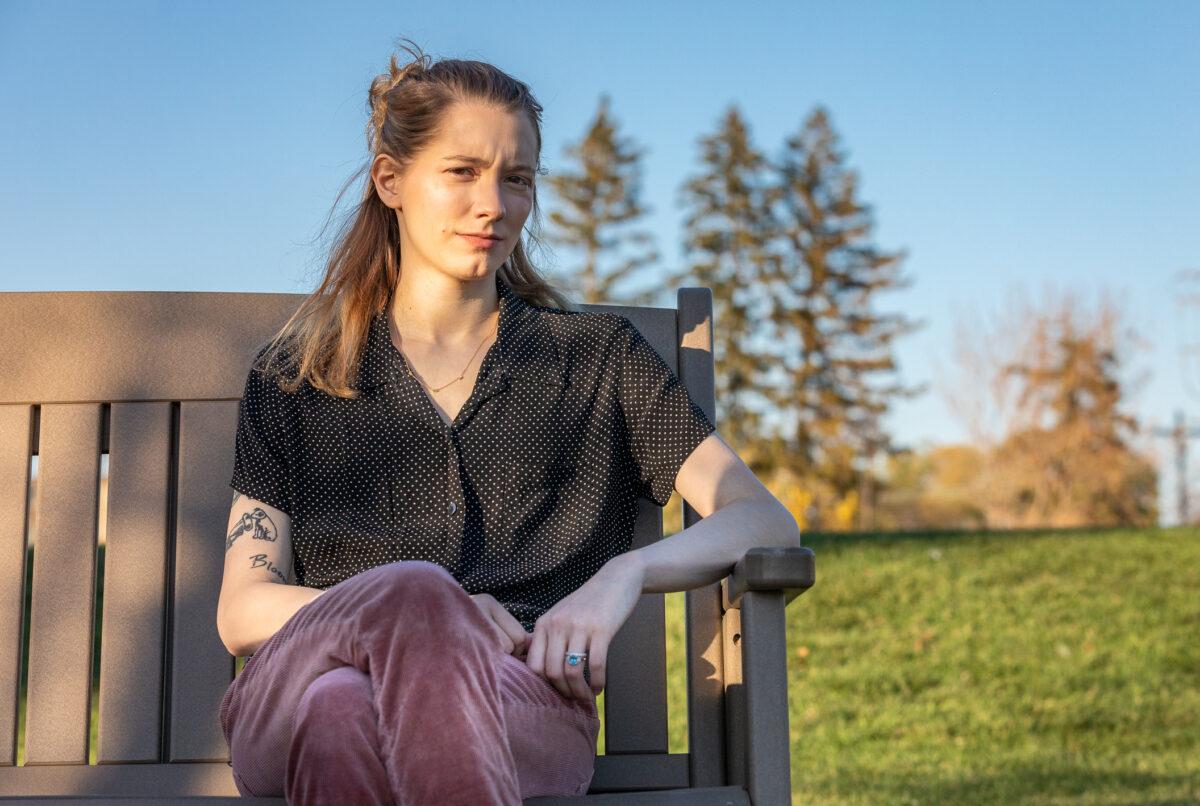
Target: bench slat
{"type": "Point", "coordinates": [626, 773]}
{"type": "Point", "coordinates": [201, 667]}
{"type": "Point", "coordinates": [635, 704]}
{"type": "Point", "coordinates": [109, 346]}
{"type": "Point", "coordinates": [705, 655]}
{"type": "Point", "coordinates": [64, 573]}
{"type": "Point", "coordinates": [135, 583]}
{"type": "Point", "coordinates": [16, 428]}
{"type": "Point", "coordinates": [635, 697]}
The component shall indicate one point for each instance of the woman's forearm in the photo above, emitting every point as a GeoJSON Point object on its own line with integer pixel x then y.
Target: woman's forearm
{"type": "Point", "coordinates": [258, 610]}
{"type": "Point", "coordinates": [707, 550]}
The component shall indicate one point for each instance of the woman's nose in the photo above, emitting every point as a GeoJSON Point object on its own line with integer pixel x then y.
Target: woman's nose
{"type": "Point", "coordinates": [489, 198]}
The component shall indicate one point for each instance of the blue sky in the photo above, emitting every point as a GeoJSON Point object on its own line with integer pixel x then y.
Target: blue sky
{"type": "Point", "coordinates": [199, 145]}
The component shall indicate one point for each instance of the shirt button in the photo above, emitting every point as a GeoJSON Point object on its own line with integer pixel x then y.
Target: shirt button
{"type": "Point", "coordinates": [453, 507]}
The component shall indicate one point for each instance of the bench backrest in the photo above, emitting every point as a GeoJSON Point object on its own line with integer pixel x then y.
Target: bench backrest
{"type": "Point", "coordinates": [152, 380]}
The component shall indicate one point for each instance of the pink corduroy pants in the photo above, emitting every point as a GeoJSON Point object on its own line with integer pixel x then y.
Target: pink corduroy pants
{"type": "Point", "coordinates": [392, 688]}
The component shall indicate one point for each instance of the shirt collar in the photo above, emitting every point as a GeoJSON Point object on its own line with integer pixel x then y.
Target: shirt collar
{"type": "Point", "coordinates": [525, 343]}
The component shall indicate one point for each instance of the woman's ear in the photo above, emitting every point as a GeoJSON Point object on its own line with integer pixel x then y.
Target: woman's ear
{"type": "Point", "coordinates": [385, 175]}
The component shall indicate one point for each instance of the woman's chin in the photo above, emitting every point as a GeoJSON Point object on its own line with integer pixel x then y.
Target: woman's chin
{"type": "Point", "coordinates": [471, 271]}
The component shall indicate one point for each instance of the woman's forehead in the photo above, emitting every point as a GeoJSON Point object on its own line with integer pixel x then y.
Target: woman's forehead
{"type": "Point", "coordinates": [484, 131]}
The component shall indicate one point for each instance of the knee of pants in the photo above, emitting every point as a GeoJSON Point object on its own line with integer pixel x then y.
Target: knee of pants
{"type": "Point", "coordinates": [409, 580]}
{"type": "Point", "coordinates": [424, 588]}
{"type": "Point", "coordinates": [336, 702]}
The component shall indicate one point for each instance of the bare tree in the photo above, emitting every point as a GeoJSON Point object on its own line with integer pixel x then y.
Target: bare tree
{"type": "Point", "coordinates": [1043, 387]}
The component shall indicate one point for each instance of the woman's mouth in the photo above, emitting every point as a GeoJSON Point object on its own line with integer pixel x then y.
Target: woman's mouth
{"type": "Point", "coordinates": [480, 242]}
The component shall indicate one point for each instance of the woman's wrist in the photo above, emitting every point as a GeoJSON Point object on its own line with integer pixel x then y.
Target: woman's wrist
{"type": "Point", "coordinates": [627, 564]}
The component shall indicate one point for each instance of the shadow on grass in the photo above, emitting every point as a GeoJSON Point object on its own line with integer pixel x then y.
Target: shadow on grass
{"type": "Point", "coordinates": [816, 538]}
{"type": "Point", "coordinates": [1023, 784]}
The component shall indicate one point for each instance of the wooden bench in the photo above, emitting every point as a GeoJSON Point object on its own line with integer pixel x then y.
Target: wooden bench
{"type": "Point", "coordinates": [152, 380]}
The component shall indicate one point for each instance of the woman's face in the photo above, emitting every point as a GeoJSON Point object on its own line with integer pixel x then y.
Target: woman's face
{"type": "Point", "coordinates": [475, 176]}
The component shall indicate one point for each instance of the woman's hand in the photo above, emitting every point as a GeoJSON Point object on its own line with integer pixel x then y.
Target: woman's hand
{"type": "Point", "coordinates": [512, 636]}
{"type": "Point", "coordinates": [585, 621]}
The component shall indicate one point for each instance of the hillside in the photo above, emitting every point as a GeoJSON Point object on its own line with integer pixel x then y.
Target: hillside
{"type": "Point", "coordinates": [1054, 667]}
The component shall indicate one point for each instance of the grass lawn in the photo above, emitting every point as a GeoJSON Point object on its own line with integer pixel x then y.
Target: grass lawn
{"type": "Point", "coordinates": [1055, 667]}
{"type": "Point", "coordinates": [1045, 668]}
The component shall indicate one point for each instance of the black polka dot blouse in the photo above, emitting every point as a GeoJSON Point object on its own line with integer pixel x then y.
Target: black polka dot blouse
{"type": "Point", "coordinates": [525, 495]}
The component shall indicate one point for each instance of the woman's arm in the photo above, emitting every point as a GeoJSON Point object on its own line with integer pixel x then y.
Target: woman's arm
{"type": "Point", "coordinates": [737, 514]}
{"type": "Point", "coordinates": [258, 609]}
{"type": "Point", "coordinates": [258, 594]}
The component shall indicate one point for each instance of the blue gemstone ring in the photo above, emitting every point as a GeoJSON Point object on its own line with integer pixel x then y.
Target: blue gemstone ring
{"type": "Point", "coordinates": [575, 658]}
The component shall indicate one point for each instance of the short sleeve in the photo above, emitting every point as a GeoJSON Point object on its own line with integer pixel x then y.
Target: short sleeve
{"type": "Point", "coordinates": [664, 424]}
{"type": "Point", "coordinates": [260, 466]}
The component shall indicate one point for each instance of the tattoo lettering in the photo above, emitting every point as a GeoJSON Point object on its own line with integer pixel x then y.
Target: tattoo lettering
{"type": "Point", "coordinates": [259, 560]}
{"type": "Point", "coordinates": [257, 522]}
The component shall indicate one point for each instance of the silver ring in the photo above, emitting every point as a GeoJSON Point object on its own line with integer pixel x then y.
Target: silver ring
{"type": "Point", "coordinates": [576, 658]}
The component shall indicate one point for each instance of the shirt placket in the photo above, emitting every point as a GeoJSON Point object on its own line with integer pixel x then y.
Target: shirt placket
{"type": "Point", "coordinates": [454, 509]}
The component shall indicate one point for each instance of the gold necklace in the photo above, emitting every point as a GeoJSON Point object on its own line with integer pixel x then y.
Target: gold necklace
{"type": "Point", "coordinates": [461, 374]}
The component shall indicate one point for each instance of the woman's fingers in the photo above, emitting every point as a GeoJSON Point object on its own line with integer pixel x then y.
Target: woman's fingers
{"type": "Point", "coordinates": [510, 633]}
{"type": "Point", "coordinates": [597, 662]}
{"type": "Point", "coordinates": [556, 649]}
{"type": "Point", "coordinates": [536, 659]}
{"type": "Point", "coordinates": [578, 643]}
{"type": "Point", "coordinates": [548, 657]}
{"type": "Point", "coordinates": [517, 637]}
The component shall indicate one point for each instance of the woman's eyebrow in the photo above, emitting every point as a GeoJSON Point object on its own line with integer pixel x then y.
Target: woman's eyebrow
{"type": "Point", "coordinates": [480, 161]}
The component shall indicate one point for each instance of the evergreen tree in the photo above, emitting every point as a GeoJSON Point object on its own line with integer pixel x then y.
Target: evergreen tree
{"type": "Point", "coordinates": [727, 234]}
{"type": "Point", "coordinates": [597, 202]}
{"type": "Point", "coordinates": [834, 347]}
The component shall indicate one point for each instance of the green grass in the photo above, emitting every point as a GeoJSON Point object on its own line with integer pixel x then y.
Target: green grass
{"type": "Point", "coordinates": [1042, 668]}
{"type": "Point", "coordinates": [1054, 668]}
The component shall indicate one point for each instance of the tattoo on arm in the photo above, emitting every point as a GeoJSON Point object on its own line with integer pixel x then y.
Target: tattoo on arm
{"type": "Point", "coordinates": [236, 496]}
{"type": "Point", "coordinates": [260, 560]}
{"type": "Point", "coordinates": [257, 522]}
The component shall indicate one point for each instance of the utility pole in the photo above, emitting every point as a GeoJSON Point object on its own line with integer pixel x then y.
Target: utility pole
{"type": "Point", "coordinates": [1187, 297]}
{"type": "Point", "coordinates": [1180, 434]}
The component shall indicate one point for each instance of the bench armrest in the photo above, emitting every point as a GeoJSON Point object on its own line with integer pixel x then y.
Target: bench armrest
{"type": "Point", "coordinates": [788, 569]}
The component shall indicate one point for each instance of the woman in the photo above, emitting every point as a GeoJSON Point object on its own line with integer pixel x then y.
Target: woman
{"type": "Point", "coordinates": [437, 471]}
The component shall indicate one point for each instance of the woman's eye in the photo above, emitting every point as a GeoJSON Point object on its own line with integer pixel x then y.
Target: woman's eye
{"type": "Point", "coordinates": [526, 182]}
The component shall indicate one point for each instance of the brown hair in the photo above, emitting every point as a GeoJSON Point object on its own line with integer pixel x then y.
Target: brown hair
{"type": "Point", "coordinates": [324, 338]}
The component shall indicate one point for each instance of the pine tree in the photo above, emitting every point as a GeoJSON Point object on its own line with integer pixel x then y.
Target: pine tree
{"type": "Point", "coordinates": [727, 232]}
{"type": "Point", "coordinates": [833, 345]}
{"type": "Point", "coordinates": [597, 202]}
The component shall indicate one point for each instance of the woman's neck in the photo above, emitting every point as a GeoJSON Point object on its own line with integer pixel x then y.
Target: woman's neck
{"type": "Point", "coordinates": [443, 312]}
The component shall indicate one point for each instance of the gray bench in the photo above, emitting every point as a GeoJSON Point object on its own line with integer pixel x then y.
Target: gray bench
{"type": "Point", "coordinates": [152, 379]}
